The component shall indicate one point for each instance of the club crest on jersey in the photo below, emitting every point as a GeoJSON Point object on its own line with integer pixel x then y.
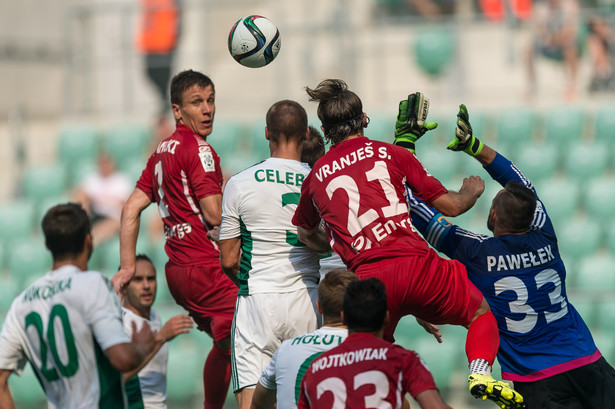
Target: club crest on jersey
{"type": "Point", "coordinates": [207, 159]}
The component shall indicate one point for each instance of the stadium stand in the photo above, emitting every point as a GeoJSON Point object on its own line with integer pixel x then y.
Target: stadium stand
{"type": "Point", "coordinates": [563, 125]}
{"type": "Point", "coordinates": [587, 160]}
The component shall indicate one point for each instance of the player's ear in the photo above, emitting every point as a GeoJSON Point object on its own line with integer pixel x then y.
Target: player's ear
{"type": "Point", "coordinates": [365, 120]}
{"type": "Point", "coordinates": [343, 317]}
{"type": "Point", "coordinates": [89, 245]}
{"type": "Point", "coordinates": [267, 133]}
{"type": "Point", "coordinates": [176, 112]}
{"type": "Point", "coordinates": [307, 133]}
{"type": "Point", "coordinates": [318, 307]}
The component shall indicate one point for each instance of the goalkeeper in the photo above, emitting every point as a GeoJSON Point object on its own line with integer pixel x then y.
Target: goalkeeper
{"type": "Point", "coordinates": [545, 347]}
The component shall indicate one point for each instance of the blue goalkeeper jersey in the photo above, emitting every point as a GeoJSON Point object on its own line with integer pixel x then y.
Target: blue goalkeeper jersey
{"type": "Point", "coordinates": [523, 279]}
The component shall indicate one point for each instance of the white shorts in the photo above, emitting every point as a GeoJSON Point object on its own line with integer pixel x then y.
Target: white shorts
{"type": "Point", "coordinates": [262, 322]}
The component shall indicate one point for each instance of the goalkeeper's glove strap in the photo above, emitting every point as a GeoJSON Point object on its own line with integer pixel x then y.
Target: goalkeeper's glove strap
{"type": "Point", "coordinates": [405, 144]}
{"type": "Point", "coordinates": [475, 148]}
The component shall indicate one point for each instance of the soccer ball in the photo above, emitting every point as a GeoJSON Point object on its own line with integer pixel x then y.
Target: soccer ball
{"type": "Point", "coordinates": [254, 41]}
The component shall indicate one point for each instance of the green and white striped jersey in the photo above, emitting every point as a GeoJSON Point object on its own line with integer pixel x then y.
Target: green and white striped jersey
{"type": "Point", "coordinates": [62, 324]}
{"type": "Point", "coordinates": [258, 205]}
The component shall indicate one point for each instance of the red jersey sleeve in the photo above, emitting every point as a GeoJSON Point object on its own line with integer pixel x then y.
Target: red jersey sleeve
{"type": "Point", "coordinates": [302, 402]}
{"type": "Point", "coordinates": [203, 166]}
{"type": "Point", "coordinates": [417, 377]}
{"type": "Point", "coordinates": [307, 215]}
{"type": "Point", "coordinates": [423, 185]}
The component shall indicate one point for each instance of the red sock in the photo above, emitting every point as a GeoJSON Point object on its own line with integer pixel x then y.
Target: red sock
{"type": "Point", "coordinates": [483, 338]}
{"type": "Point", "coordinates": [216, 377]}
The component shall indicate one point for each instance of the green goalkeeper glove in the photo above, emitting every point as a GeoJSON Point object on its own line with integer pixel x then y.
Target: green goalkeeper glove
{"type": "Point", "coordinates": [410, 124]}
{"type": "Point", "coordinates": [464, 139]}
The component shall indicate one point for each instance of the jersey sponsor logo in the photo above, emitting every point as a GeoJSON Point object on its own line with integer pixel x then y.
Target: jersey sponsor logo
{"type": "Point", "coordinates": [207, 159]}
{"type": "Point", "coordinates": [523, 260]}
{"type": "Point", "coordinates": [380, 232]}
{"type": "Point", "coordinates": [179, 230]}
{"type": "Point", "coordinates": [46, 291]}
{"type": "Point", "coordinates": [349, 358]}
{"type": "Point", "coordinates": [275, 176]}
{"type": "Point", "coordinates": [363, 152]}
{"type": "Point", "coordinates": [167, 146]}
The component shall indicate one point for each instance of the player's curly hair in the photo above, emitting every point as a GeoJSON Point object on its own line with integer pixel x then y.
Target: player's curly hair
{"type": "Point", "coordinates": [515, 206]}
{"type": "Point", "coordinates": [339, 109]}
{"type": "Point", "coordinates": [313, 147]}
{"type": "Point", "coordinates": [185, 80]}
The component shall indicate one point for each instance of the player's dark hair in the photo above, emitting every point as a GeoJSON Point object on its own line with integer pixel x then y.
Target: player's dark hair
{"type": "Point", "coordinates": [141, 257]}
{"type": "Point", "coordinates": [184, 81]}
{"type": "Point", "coordinates": [339, 109]}
{"type": "Point", "coordinates": [65, 227]}
{"type": "Point", "coordinates": [365, 305]}
{"type": "Point", "coordinates": [331, 293]}
{"type": "Point", "coordinates": [313, 147]}
{"type": "Point", "coordinates": [515, 207]}
{"type": "Point", "coordinates": [286, 118]}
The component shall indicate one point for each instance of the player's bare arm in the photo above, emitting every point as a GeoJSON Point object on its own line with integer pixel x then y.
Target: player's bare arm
{"type": "Point", "coordinates": [316, 239]}
{"type": "Point", "coordinates": [129, 230]}
{"type": "Point", "coordinates": [6, 399]}
{"type": "Point", "coordinates": [211, 206]}
{"type": "Point", "coordinates": [179, 324]}
{"type": "Point", "coordinates": [453, 203]}
{"type": "Point", "coordinates": [431, 399]}
{"type": "Point", "coordinates": [230, 253]}
{"type": "Point", "coordinates": [128, 356]}
{"type": "Point", "coordinates": [263, 398]}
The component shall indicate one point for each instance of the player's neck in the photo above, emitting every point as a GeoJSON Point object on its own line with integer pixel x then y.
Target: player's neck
{"type": "Point", "coordinates": [285, 151]}
{"type": "Point", "coordinates": [80, 262]}
{"type": "Point", "coordinates": [141, 312]}
{"type": "Point", "coordinates": [333, 324]}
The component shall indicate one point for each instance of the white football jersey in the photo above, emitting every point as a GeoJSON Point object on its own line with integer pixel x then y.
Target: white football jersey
{"type": "Point", "coordinates": [153, 376]}
{"type": "Point", "coordinates": [292, 359]}
{"type": "Point", "coordinates": [258, 205]}
{"type": "Point", "coordinates": [62, 324]}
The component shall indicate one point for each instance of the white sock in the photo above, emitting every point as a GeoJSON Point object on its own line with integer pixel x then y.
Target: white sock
{"type": "Point", "coordinates": [480, 366]}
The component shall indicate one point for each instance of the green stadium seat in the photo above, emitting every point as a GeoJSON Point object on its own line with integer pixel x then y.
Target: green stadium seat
{"type": "Point", "coordinates": [127, 141]}
{"type": "Point", "coordinates": [78, 143]}
{"type": "Point", "coordinates": [564, 125]}
{"type": "Point", "coordinates": [16, 220]}
{"type": "Point", "coordinates": [561, 197]}
{"type": "Point", "coordinates": [605, 125]}
{"type": "Point", "coordinates": [599, 198]}
{"type": "Point", "coordinates": [586, 160]}
{"type": "Point", "coordinates": [587, 307]}
{"type": "Point", "coordinates": [610, 237]}
{"type": "Point", "coordinates": [433, 49]}
{"type": "Point", "coordinates": [258, 146]}
{"type": "Point", "coordinates": [537, 161]}
{"type": "Point", "coordinates": [441, 359]}
{"type": "Point", "coordinates": [28, 260]}
{"type": "Point", "coordinates": [605, 311]}
{"type": "Point", "coordinates": [184, 371]}
{"type": "Point", "coordinates": [45, 181]}
{"type": "Point", "coordinates": [606, 343]}
{"type": "Point", "coordinates": [579, 237]}
{"type": "Point", "coordinates": [26, 390]}
{"type": "Point", "coordinates": [381, 127]}
{"type": "Point", "coordinates": [595, 275]}
{"type": "Point", "coordinates": [225, 137]}
{"type": "Point", "coordinates": [441, 163]}
{"type": "Point", "coordinates": [9, 289]}
{"type": "Point", "coordinates": [515, 127]}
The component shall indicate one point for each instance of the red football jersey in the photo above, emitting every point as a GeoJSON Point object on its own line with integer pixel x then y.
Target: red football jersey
{"type": "Point", "coordinates": [364, 371]}
{"type": "Point", "coordinates": [358, 188]}
{"type": "Point", "coordinates": [183, 169]}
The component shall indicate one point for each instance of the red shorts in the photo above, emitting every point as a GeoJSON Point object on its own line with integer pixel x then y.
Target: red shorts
{"type": "Point", "coordinates": [207, 294]}
{"type": "Point", "coordinates": [429, 287]}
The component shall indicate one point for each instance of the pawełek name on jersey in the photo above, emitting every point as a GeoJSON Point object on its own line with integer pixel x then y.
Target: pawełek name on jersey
{"type": "Point", "coordinates": [349, 358]}
{"type": "Point", "coordinates": [524, 260]}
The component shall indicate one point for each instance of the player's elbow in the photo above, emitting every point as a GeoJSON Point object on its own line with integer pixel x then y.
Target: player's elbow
{"type": "Point", "coordinates": [123, 357]}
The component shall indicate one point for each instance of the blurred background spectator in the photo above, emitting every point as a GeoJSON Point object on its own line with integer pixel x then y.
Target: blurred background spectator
{"type": "Point", "coordinates": [555, 35]}
{"type": "Point", "coordinates": [600, 47]}
{"type": "Point", "coordinates": [102, 194]}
